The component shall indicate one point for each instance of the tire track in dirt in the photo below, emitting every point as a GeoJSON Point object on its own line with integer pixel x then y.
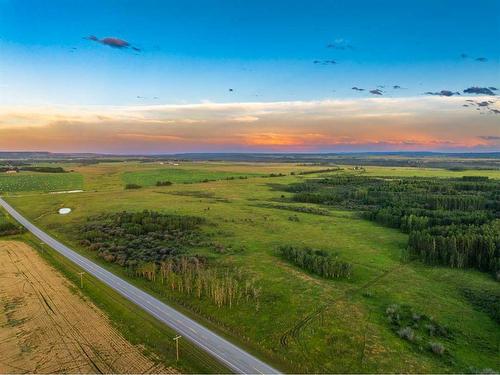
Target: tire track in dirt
{"type": "Point", "coordinates": [54, 329]}
{"type": "Point", "coordinates": [295, 331]}
{"type": "Point", "coordinates": [36, 284]}
{"type": "Point", "coordinates": [69, 333]}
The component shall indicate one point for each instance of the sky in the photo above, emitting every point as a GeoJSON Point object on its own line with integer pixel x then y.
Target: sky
{"type": "Point", "coordinates": [251, 76]}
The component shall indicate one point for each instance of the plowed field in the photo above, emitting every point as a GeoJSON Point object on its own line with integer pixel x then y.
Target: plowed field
{"type": "Point", "coordinates": [47, 326]}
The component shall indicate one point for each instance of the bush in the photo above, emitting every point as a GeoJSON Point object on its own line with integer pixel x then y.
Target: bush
{"type": "Point", "coordinates": [407, 334]}
{"type": "Point", "coordinates": [392, 310]}
{"type": "Point", "coordinates": [417, 328]}
{"type": "Point", "coordinates": [132, 186]}
{"type": "Point", "coordinates": [487, 301]}
{"type": "Point", "coordinates": [163, 183]}
{"type": "Point", "coordinates": [437, 348]}
{"type": "Point", "coordinates": [8, 229]}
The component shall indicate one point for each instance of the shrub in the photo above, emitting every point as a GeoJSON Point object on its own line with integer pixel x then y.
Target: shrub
{"type": "Point", "coordinates": [132, 186]}
{"type": "Point", "coordinates": [163, 183]}
{"type": "Point", "coordinates": [392, 309]}
{"type": "Point", "coordinates": [7, 229]}
{"type": "Point", "coordinates": [437, 348]}
{"type": "Point", "coordinates": [487, 301]}
{"type": "Point", "coordinates": [407, 334]}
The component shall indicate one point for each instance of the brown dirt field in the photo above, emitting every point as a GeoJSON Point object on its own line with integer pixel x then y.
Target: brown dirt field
{"type": "Point", "coordinates": [48, 327]}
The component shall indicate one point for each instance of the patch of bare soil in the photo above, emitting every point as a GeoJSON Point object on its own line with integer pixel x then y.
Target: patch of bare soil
{"type": "Point", "coordinates": [45, 327]}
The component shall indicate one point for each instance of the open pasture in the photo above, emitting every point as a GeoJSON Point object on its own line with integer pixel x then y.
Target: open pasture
{"type": "Point", "coordinates": [178, 175]}
{"type": "Point", "coordinates": [302, 322]}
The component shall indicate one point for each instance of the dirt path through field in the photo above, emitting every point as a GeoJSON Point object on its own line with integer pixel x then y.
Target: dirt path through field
{"type": "Point", "coordinates": [48, 327]}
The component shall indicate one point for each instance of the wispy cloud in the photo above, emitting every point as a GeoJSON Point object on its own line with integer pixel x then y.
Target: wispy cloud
{"type": "Point", "coordinates": [375, 123]}
{"type": "Point", "coordinates": [339, 44]}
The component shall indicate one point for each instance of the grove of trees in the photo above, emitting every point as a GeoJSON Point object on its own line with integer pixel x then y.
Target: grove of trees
{"type": "Point", "coordinates": [318, 262]}
{"type": "Point", "coordinates": [158, 247]}
{"type": "Point", "coordinates": [453, 222]}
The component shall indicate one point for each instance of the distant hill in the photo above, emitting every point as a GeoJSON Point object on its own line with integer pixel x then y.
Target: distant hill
{"type": "Point", "coordinates": [461, 160]}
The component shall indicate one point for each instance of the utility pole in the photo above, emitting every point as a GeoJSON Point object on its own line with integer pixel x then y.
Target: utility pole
{"type": "Point", "coordinates": [176, 339]}
{"type": "Point", "coordinates": [81, 279]}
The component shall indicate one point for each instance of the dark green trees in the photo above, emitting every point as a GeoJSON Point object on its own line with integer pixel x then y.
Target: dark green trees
{"type": "Point", "coordinates": [316, 261]}
{"type": "Point", "coordinates": [453, 222]}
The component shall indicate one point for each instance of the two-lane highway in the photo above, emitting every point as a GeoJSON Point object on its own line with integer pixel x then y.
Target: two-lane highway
{"type": "Point", "coordinates": [229, 354]}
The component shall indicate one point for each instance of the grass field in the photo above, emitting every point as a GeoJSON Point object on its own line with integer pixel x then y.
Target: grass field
{"type": "Point", "coordinates": [178, 175]}
{"type": "Point", "coordinates": [27, 182]}
{"type": "Point", "coordinates": [303, 323]}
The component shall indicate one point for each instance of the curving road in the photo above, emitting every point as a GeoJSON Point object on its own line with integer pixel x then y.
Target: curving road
{"type": "Point", "coordinates": [229, 354]}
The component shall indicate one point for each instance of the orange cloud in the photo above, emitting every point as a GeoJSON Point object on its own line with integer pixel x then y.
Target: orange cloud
{"type": "Point", "coordinates": [423, 123]}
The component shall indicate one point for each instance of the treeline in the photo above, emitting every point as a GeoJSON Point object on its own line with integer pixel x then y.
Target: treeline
{"type": "Point", "coordinates": [326, 170]}
{"type": "Point", "coordinates": [453, 222]}
{"type": "Point", "coordinates": [317, 262]}
{"type": "Point", "coordinates": [303, 209]}
{"type": "Point", "coordinates": [190, 275]}
{"type": "Point", "coordinates": [34, 169]}
{"type": "Point", "coordinates": [464, 248]}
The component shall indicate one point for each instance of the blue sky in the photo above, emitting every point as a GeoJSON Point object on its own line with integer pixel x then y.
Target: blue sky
{"type": "Point", "coordinates": [195, 51]}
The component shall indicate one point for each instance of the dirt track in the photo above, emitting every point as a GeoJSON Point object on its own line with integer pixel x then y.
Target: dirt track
{"type": "Point", "coordinates": [45, 327]}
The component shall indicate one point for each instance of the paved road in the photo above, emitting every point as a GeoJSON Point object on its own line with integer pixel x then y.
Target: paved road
{"type": "Point", "coordinates": [229, 354]}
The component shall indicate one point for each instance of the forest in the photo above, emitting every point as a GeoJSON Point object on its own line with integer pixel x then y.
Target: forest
{"type": "Point", "coordinates": [452, 222]}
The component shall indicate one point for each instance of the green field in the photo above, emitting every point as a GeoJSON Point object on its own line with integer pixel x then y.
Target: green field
{"type": "Point", "coordinates": [177, 175]}
{"type": "Point", "coordinates": [45, 182]}
{"type": "Point", "coordinates": [302, 322]}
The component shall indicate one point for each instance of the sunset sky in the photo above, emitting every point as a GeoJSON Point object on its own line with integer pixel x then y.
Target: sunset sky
{"type": "Point", "coordinates": [213, 76]}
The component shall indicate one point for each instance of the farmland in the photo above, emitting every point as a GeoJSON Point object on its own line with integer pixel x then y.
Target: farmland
{"type": "Point", "coordinates": [28, 181]}
{"type": "Point", "coordinates": [177, 175]}
{"type": "Point", "coordinates": [47, 326]}
{"type": "Point", "coordinates": [294, 318]}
